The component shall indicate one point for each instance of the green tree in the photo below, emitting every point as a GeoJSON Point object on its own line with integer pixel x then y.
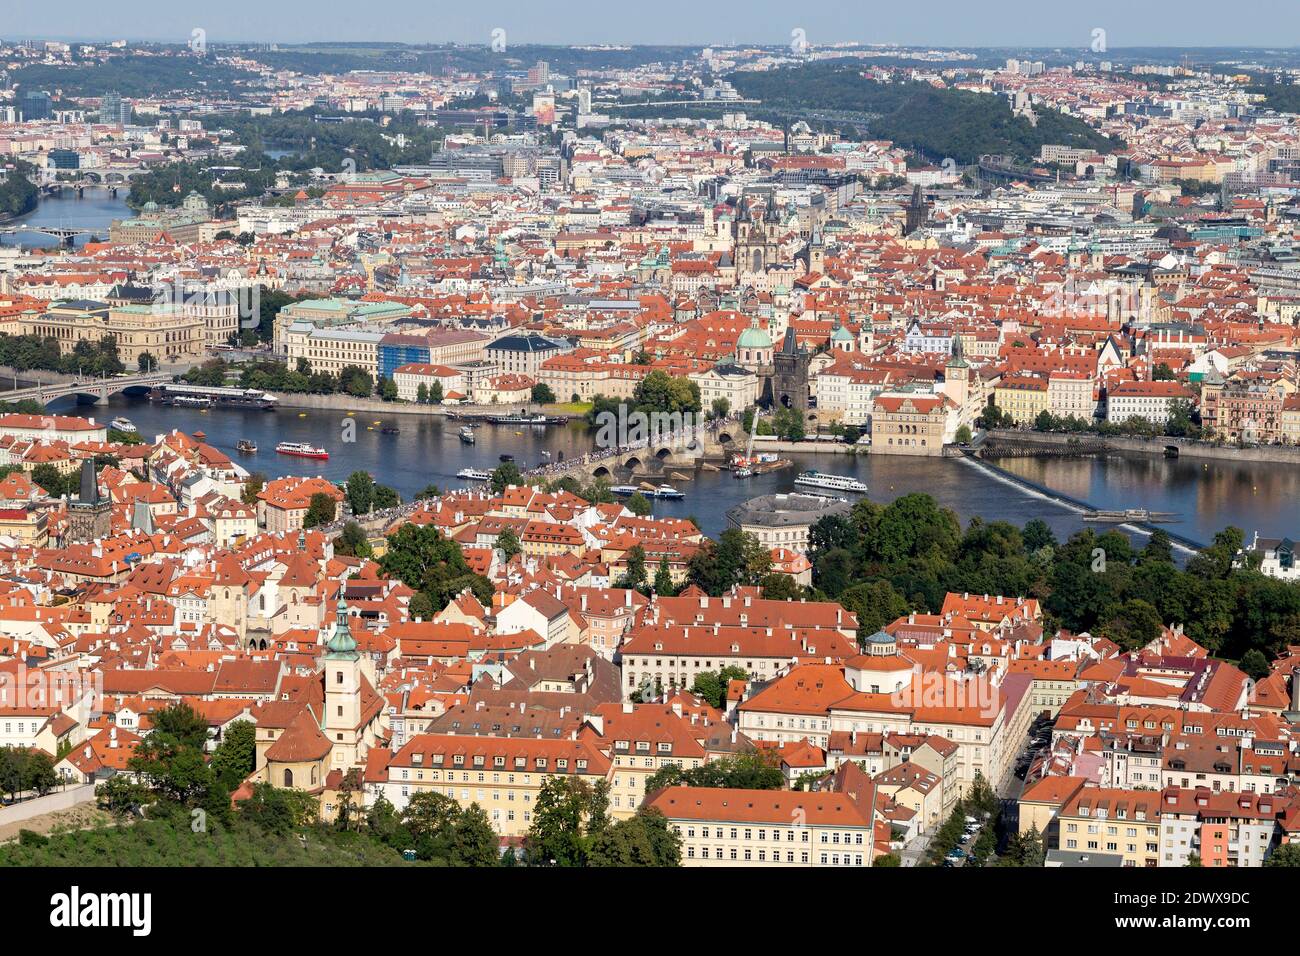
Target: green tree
{"type": "Point", "coordinates": [1285, 854]}
{"type": "Point", "coordinates": [508, 543]}
{"type": "Point", "coordinates": [352, 542]}
{"type": "Point", "coordinates": [278, 810]}
{"type": "Point", "coordinates": [1133, 624]}
{"type": "Point", "coordinates": [712, 685]}
{"type": "Point", "coordinates": [644, 839]}
{"type": "Point", "coordinates": [473, 841]}
{"type": "Point", "coordinates": [121, 796]}
{"type": "Point", "coordinates": [569, 814]}
{"type": "Point", "coordinates": [235, 757]}
{"type": "Point", "coordinates": [635, 575]}
{"type": "Point", "coordinates": [321, 509]}
{"type": "Point", "coordinates": [504, 475]}
{"type": "Point", "coordinates": [38, 773]}
{"type": "Point", "coordinates": [253, 486]}
{"type": "Point", "coordinates": [664, 586]}
{"type": "Point", "coordinates": [639, 505]}
{"type": "Point", "coordinates": [421, 558]}
{"type": "Point", "coordinates": [1254, 664]}
{"type": "Point", "coordinates": [542, 394]}
{"type": "Point", "coordinates": [360, 491]}
{"type": "Point", "coordinates": [171, 757]}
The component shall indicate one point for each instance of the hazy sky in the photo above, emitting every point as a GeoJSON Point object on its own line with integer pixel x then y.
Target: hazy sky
{"type": "Point", "coordinates": [940, 22]}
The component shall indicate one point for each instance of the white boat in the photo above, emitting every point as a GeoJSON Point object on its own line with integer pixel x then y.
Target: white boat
{"type": "Point", "coordinates": [123, 424]}
{"type": "Point", "coordinates": [667, 491]}
{"type": "Point", "coordinates": [300, 449]}
{"type": "Point", "coordinates": [817, 479]}
{"type": "Point", "coordinates": [474, 474]}
{"type": "Point", "coordinates": [624, 489]}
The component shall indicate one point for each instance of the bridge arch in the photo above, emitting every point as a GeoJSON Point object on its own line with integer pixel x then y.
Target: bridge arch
{"type": "Point", "coordinates": [725, 438]}
{"type": "Point", "coordinates": [664, 453]}
{"type": "Point", "coordinates": [632, 461]}
{"type": "Point", "coordinates": [600, 471]}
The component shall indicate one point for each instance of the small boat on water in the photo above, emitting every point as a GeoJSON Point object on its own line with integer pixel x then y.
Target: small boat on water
{"type": "Point", "coordinates": [247, 446]}
{"type": "Point", "coordinates": [467, 436]}
{"type": "Point", "coordinates": [506, 457]}
{"type": "Point", "coordinates": [1131, 514]}
{"type": "Point", "coordinates": [390, 430]}
{"type": "Point", "coordinates": [123, 424]}
{"type": "Point", "coordinates": [301, 450]}
{"type": "Point", "coordinates": [474, 474]}
{"type": "Point", "coordinates": [742, 472]}
{"type": "Point", "coordinates": [668, 492]}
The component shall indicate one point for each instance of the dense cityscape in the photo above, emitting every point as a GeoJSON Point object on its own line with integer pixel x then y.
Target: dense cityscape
{"type": "Point", "coordinates": [748, 455]}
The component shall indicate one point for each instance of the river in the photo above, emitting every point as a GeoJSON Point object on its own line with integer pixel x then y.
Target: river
{"type": "Point", "coordinates": [1206, 496]}
{"type": "Point", "coordinates": [95, 210]}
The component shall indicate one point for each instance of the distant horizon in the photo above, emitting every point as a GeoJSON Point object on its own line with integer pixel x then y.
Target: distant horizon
{"type": "Point", "coordinates": [941, 24]}
{"type": "Point", "coordinates": [684, 45]}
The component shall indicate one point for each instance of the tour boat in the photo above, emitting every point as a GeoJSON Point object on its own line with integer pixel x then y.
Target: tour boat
{"type": "Point", "coordinates": [467, 436]}
{"type": "Point", "coordinates": [817, 479]}
{"type": "Point", "coordinates": [666, 491]}
{"type": "Point", "coordinates": [474, 474]}
{"type": "Point", "coordinates": [624, 490]}
{"type": "Point", "coordinates": [301, 450]}
{"type": "Point", "coordinates": [247, 446]}
{"type": "Point", "coordinates": [123, 425]}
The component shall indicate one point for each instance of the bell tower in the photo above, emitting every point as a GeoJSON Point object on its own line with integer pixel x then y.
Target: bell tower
{"type": "Point", "coordinates": [342, 717]}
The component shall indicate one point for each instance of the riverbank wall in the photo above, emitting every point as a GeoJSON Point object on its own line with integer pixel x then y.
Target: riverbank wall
{"type": "Point", "coordinates": [1012, 442]}
{"type": "Point", "coordinates": [348, 403]}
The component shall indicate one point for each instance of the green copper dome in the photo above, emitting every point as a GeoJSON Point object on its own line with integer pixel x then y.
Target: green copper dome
{"type": "Point", "coordinates": [754, 338]}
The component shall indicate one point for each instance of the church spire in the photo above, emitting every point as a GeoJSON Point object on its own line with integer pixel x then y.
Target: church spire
{"type": "Point", "coordinates": [342, 646]}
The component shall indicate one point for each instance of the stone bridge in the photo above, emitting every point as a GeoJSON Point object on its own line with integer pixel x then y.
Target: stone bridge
{"type": "Point", "coordinates": [98, 389]}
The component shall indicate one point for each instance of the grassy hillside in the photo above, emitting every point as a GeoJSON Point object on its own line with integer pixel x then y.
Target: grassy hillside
{"type": "Point", "coordinates": [164, 843]}
{"type": "Point", "coordinates": [938, 122]}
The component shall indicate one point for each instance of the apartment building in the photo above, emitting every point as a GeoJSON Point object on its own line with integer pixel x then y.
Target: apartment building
{"type": "Point", "coordinates": [503, 775]}
{"type": "Point", "coordinates": [1149, 400]}
{"type": "Point", "coordinates": [727, 828]}
{"type": "Point", "coordinates": [1117, 821]}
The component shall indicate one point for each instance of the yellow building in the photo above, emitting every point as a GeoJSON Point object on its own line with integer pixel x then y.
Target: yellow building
{"type": "Point", "coordinates": [503, 775]}
{"type": "Point", "coordinates": [1023, 397]}
{"type": "Point", "coordinates": [734, 827]}
{"type": "Point", "coordinates": [1125, 823]}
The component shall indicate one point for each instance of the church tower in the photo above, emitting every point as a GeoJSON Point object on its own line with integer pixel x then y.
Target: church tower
{"type": "Point", "coordinates": [956, 374]}
{"type": "Point", "coordinates": [89, 517]}
{"type": "Point", "coordinates": [342, 717]}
